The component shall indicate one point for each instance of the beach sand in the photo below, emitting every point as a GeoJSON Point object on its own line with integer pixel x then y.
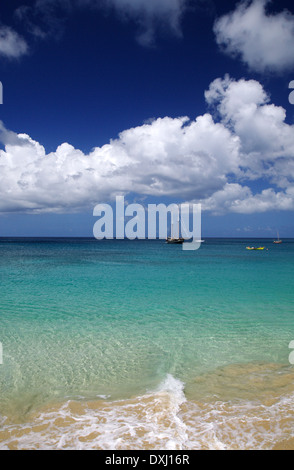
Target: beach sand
{"type": "Point", "coordinates": [167, 419]}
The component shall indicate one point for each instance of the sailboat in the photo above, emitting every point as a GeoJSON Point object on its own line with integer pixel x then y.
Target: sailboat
{"type": "Point", "coordinates": [178, 239]}
{"type": "Point", "coordinates": [278, 241]}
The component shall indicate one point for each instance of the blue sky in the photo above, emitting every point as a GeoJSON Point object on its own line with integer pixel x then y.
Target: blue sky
{"type": "Point", "coordinates": [166, 100]}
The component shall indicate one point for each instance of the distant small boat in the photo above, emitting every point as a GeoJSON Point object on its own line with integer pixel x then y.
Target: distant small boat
{"type": "Point", "coordinates": [255, 248]}
{"type": "Point", "coordinates": [178, 239]}
{"type": "Point", "coordinates": [175, 240]}
{"type": "Point", "coordinates": [278, 241]}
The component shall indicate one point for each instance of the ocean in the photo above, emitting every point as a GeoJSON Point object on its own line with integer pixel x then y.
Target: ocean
{"type": "Point", "coordinates": [119, 344]}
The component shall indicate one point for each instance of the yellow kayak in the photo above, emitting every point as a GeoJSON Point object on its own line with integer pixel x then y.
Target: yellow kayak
{"type": "Point", "coordinates": [254, 248]}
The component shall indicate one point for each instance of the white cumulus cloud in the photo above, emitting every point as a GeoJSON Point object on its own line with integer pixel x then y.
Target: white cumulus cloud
{"type": "Point", "coordinates": [212, 159]}
{"type": "Point", "coordinates": [239, 199]}
{"type": "Point", "coordinates": [262, 40]}
{"type": "Point", "coordinates": [245, 108]}
{"type": "Point", "coordinates": [167, 157]}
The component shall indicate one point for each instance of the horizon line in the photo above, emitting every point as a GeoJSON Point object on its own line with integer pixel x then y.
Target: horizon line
{"type": "Point", "coordinates": [123, 239]}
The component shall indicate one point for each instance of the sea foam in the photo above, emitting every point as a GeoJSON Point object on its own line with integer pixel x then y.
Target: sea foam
{"type": "Point", "coordinates": [148, 421]}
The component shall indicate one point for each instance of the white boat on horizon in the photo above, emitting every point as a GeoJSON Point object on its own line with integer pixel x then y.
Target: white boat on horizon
{"type": "Point", "coordinates": [278, 241]}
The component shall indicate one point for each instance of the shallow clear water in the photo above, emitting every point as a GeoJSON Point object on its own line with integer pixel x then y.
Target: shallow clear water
{"type": "Point", "coordinates": [108, 322]}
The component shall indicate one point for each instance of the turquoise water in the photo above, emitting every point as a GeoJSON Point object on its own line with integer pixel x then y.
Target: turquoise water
{"type": "Point", "coordinates": [83, 319]}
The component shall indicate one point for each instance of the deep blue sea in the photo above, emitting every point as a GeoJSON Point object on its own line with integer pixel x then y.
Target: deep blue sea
{"type": "Point", "coordinates": [138, 344]}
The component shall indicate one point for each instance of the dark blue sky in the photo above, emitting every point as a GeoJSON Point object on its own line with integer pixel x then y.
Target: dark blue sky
{"type": "Point", "coordinates": [95, 80]}
{"type": "Point", "coordinates": [88, 77]}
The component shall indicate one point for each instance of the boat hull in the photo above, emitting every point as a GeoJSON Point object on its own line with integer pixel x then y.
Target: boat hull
{"type": "Point", "coordinates": [178, 241]}
{"type": "Point", "coordinates": [254, 249]}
